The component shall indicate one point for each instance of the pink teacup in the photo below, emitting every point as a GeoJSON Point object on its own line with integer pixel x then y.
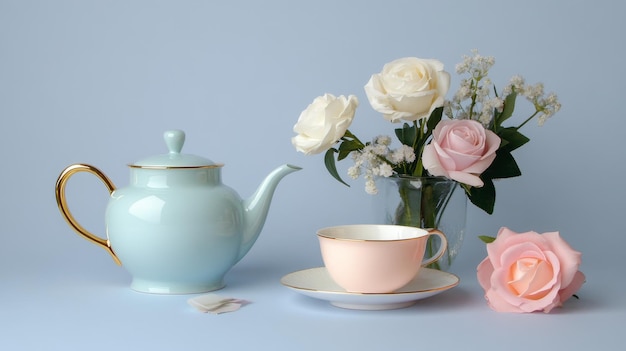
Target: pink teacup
{"type": "Point", "coordinates": [368, 258]}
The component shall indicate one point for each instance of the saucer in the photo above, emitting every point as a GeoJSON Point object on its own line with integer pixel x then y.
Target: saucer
{"type": "Point", "coordinates": [317, 283]}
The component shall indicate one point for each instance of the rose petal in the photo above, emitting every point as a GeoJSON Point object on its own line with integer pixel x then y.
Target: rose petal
{"type": "Point", "coordinates": [551, 278]}
{"type": "Point", "coordinates": [480, 165]}
{"type": "Point", "coordinates": [497, 303]}
{"type": "Point", "coordinates": [492, 143]}
{"type": "Point", "coordinates": [524, 303]}
{"type": "Point", "coordinates": [467, 140]}
{"type": "Point", "coordinates": [430, 160]}
{"type": "Point", "coordinates": [548, 281]}
{"type": "Point", "coordinates": [446, 161]}
{"type": "Point", "coordinates": [466, 178]}
{"type": "Point", "coordinates": [409, 105]}
{"type": "Point", "coordinates": [461, 160]}
{"type": "Point", "coordinates": [499, 287]}
{"type": "Point", "coordinates": [532, 278]}
{"type": "Point", "coordinates": [507, 238]}
{"type": "Point", "coordinates": [573, 287]}
{"type": "Point", "coordinates": [483, 273]}
{"type": "Point", "coordinates": [444, 83]}
{"type": "Point", "coordinates": [569, 258]}
{"type": "Point", "coordinates": [495, 248]}
{"type": "Point", "coordinates": [376, 95]}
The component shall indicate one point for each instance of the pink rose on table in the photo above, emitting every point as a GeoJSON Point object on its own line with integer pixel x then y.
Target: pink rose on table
{"type": "Point", "coordinates": [529, 272]}
{"type": "Point", "coordinates": [460, 150]}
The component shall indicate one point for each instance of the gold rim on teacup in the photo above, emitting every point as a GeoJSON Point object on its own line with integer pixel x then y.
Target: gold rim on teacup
{"type": "Point", "coordinates": [423, 231]}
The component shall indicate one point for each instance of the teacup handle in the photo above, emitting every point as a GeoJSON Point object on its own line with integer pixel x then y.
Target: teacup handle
{"type": "Point", "coordinates": [62, 203]}
{"type": "Point", "coordinates": [442, 248]}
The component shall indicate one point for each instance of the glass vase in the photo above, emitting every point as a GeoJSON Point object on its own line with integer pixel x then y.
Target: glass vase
{"type": "Point", "coordinates": [425, 202]}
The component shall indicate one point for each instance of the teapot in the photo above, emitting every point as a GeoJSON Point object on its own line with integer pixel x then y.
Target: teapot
{"type": "Point", "coordinates": [176, 228]}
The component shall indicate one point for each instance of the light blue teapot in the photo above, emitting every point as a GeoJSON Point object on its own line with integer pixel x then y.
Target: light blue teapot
{"type": "Point", "coordinates": [176, 228]}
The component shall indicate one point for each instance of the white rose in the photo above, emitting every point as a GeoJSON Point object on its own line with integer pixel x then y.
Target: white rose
{"type": "Point", "coordinates": [408, 89]}
{"type": "Point", "coordinates": [323, 123]}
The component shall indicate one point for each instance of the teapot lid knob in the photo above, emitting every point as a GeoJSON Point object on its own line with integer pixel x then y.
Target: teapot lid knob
{"type": "Point", "coordinates": [174, 139]}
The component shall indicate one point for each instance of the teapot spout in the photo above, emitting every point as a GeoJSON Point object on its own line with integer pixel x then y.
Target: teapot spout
{"type": "Point", "coordinates": [257, 206]}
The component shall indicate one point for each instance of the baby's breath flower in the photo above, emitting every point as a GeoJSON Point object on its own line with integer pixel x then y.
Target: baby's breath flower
{"type": "Point", "coordinates": [354, 172]}
{"type": "Point", "coordinates": [462, 67]}
{"type": "Point", "coordinates": [477, 66]}
{"type": "Point", "coordinates": [396, 156]}
{"type": "Point", "coordinates": [402, 154]}
{"type": "Point", "coordinates": [383, 170]}
{"type": "Point", "coordinates": [531, 92]}
{"type": "Point", "coordinates": [485, 116]}
{"type": "Point", "coordinates": [367, 153]}
{"type": "Point", "coordinates": [552, 99]}
{"type": "Point", "coordinates": [370, 185]}
{"type": "Point", "coordinates": [358, 158]}
{"type": "Point", "coordinates": [462, 115]}
{"type": "Point", "coordinates": [476, 89]}
{"type": "Point", "coordinates": [383, 140]}
{"type": "Point", "coordinates": [548, 106]}
{"type": "Point", "coordinates": [376, 159]}
{"type": "Point", "coordinates": [517, 80]}
{"type": "Point", "coordinates": [379, 149]}
{"type": "Point", "coordinates": [464, 91]}
{"type": "Point", "coordinates": [409, 153]}
{"type": "Point", "coordinates": [447, 109]}
{"type": "Point", "coordinates": [489, 106]}
{"type": "Point", "coordinates": [517, 84]}
{"type": "Point", "coordinates": [484, 90]}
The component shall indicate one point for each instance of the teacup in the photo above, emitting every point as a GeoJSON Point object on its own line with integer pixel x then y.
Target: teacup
{"type": "Point", "coordinates": [368, 258]}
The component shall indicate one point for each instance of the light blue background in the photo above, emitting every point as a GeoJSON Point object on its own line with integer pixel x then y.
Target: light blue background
{"type": "Point", "coordinates": [99, 82]}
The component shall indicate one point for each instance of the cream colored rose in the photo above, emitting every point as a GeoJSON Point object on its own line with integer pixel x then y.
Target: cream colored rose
{"type": "Point", "coordinates": [408, 89]}
{"type": "Point", "coordinates": [323, 123]}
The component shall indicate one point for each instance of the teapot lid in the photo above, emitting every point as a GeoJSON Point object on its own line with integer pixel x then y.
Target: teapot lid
{"type": "Point", "coordinates": [174, 139]}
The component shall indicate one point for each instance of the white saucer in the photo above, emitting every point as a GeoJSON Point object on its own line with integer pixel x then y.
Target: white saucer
{"type": "Point", "coordinates": [317, 283]}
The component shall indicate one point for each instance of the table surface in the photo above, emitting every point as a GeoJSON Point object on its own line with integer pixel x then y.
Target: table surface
{"type": "Point", "coordinates": [59, 302]}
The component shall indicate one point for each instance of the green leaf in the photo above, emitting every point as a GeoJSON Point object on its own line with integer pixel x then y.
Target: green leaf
{"type": "Point", "coordinates": [484, 197]}
{"type": "Point", "coordinates": [434, 118]}
{"type": "Point", "coordinates": [329, 161]}
{"type": "Point", "coordinates": [487, 239]}
{"type": "Point", "coordinates": [511, 138]}
{"type": "Point", "coordinates": [504, 166]}
{"type": "Point", "coordinates": [507, 111]}
{"type": "Point", "coordinates": [348, 134]}
{"type": "Point", "coordinates": [407, 134]}
{"type": "Point", "coordinates": [346, 147]}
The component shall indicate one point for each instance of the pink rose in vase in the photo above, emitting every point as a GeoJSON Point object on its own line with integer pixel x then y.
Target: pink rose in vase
{"type": "Point", "coordinates": [529, 272]}
{"type": "Point", "coordinates": [460, 150]}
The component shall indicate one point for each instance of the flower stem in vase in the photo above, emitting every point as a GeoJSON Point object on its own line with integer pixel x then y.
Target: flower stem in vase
{"type": "Point", "coordinates": [428, 216]}
{"type": "Point", "coordinates": [422, 204]}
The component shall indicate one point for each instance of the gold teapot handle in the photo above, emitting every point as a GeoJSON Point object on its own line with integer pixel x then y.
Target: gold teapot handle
{"type": "Point", "coordinates": [62, 203]}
